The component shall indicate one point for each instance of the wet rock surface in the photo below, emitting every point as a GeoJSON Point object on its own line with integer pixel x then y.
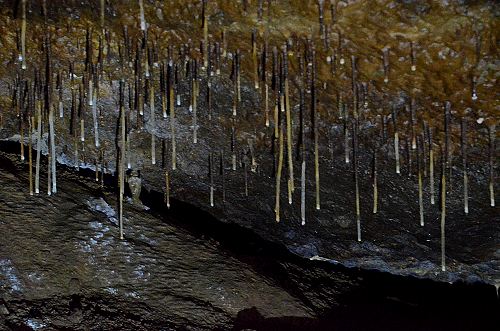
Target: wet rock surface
{"type": "Point", "coordinates": [62, 267]}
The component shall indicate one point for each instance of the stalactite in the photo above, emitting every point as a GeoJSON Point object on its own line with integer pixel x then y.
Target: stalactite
{"type": "Point", "coordinates": [30, 157]}
{"type": "Point", "coordinates": [163, 91]}
{"type": "Point", "coordinates": [340, 50]}
{"type": "Point", "coordinates": [413, 56]}
{"type": "Point", "coordinates": [321, 19]}
{"type": "Point", "coordinates": [172, 113]}
{"type": "Point", "coordinates": [408, 155]}
{"type": "Point", "coordinates": [52, 149]}
{"type": "Point", "coordinates": [23, 34]}
{"type": "Point", "coordinates": [491, 143]}
{"type": "Point", "coordinates": [431, 165]}
{"type": "Point", "coordinates": [81, 107]}
{"type": "Point", "coordinates": [411, 107]}
{"type": "Point", "coordinates": [346, 134]}
{"type": "Point", "coordinates": [375, 184]}
{"type": "Point", "coordinates": [254, 59]}
{"type": "Point", "coordinates": [167, 188]}
{"type": "Point", "coordinates": [142, 16]}
{"type": "Point", "coordinates": [233, 145]}
{"type": "Point", "coordinates": [356, 178]}
{"type": "Point", "coordinates": [385, 55]}
{"type": "Point", "coordinates": [302, 152]}
{"type": "Point", "coordinates": [473, 88]}
{"type": "Point", "coordinates": [238, 75]}
{"type": "Point", "coordinates": [315, 118]}
{"type": "Point", "coordinates": [222, 174]}
{"type": "Point", "coordinates": [447, 154]}
{"type": "Point", "coordinates": [96, 166]}
{"type": "Point", "coordinates": [49, 170]}
{"type": "Point", "coordinates": [289, 124]}
{"type": "Point", "coordinates": [463, 143]}
{"type": "Point", "coordinates": [420, 184]}
{"type": "Point", "coordinates": [102, 12]}
{"type": "Point", "coordinates": [245, 172]}
{"type": "Point", "coordinates": [153, 121]}
{"type": "Point", "coordinates": [278, 172]}
{"type": "Point", "coordinates": [211, 177]}
{"type": "Point", "coordinates": [443, 209]}
{"type": "Point", "coordinates": [396, 140]}
{"type": "Point", "coordinates": [194, 100]}
{"type": "Point", "coordinates": [424, 149]}
{"type": "Point", "coordinates": [204, 16]}
{"type": "Point", "coordinates": [121, 161]}
{"type": "Point", "coordinates": [95, 119]}
{"type": "Point", "coordinates": [59, 85]}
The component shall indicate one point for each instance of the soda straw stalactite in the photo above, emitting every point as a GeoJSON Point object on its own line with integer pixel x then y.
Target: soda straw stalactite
{"type": "Point", "coordinates": [233, 145]}
{"type": "Point", "coordinates": [194, 99]}
{"type": "Point", "coordinates": [95, 118]}
{"type": "Point", "coordinates": [491, 143]}
{"type": "Point", "coordinates": [443, 209]}
{"type": "Point", "coordinates": [279, 170]}
{"type": "Point", "coordinates": [291, 184]}
{"type": "Point", "coordinates": [142, 16]}
{"type": "Point", "coordinates": [222, 175]}
{"type": "Point", "coordinates": [102, 12]}
{"type": "Point", "coordinates": [385, 58]}
{"type": "Point", "coordinates": [121, 173]}
{"type": "Point", "coordinates": [420, 183]}
{"type": "Point", "coordinates": [302, 153]}
{"type": "Point", "coordinates": [431, 164]}
{"type": "Point", "coordinates": [264, 73]}
{"type": "Point", "coordinates": [321, 15]}
{"type": "Point", "coordinates": [30, 151]}
{"type": "Point", "coordinates": [50, 110]}
{"type": "Point", "coordinates": [167, 188]}
{"type": "Point", "coordinates": [38, 106]}
{"type": "Point", "coordinates": [396, 139]}
{"type": "Point", "coordinates": [356, 178]}
{"type": "Point", "coordinates": [211, 177]}
{"type": "Point", "coordinates": [254, 59]}
{"type": "Point", "coordinates": [171, 73]}
{"type": "Point", "coordinates": [152, 120]}
{"type": "Point", "coordinates": [463, 143]}
{"type": "Point", "coordinates": [412, 123]}
{"type": "Point", "coordinates": [23, 34]}
{"type": "Point", "coordinates": [375, 184]}
{"type": "Point", "coordinates": [447, 154]}
{"type": "Point", "coordinates": [413, 56]}
{"type": "Point", "coordinates": [204, 16]}
{"type": "Point", "coordinates": [347, 149]}
{"type": "Point", "coordinates": [52, 149]}
{"type": "Point", "coordinates": [315, 124]}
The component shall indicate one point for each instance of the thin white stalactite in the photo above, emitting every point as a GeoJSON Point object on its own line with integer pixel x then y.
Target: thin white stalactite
{"type": "Point", "coordinates": [53, 149]}
{"type": "Point", "coordinates": [278, 176]}
{"type": "Point", "coordinates": [167, 188]}
{"type": "Point", "coordinates": [396, 152]}
{"type": "Point", "coordinates": [141, 14]}
{"type": "Point", "coordinates": [153, 123]}
{"type": "Point", "coordinates": [38, 145]}
{"type": "Point", "coordinates": [23, 35]}
{"type": "Point", "coordinates": [96, 122]}
{"type": "Point", "coordinates": [303, 193]}
{"type": "Point", "coordinates": [172, 128]}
